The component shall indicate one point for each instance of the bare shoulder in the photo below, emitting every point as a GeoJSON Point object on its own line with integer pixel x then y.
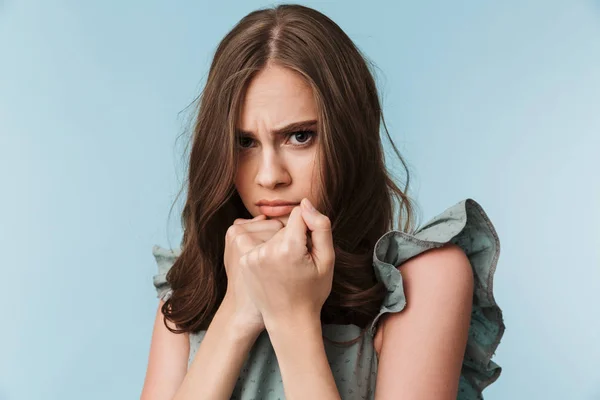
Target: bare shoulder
{"type": "Point", "coordinates": [167, 361]}
{"type": "Point", "coordinates": [421, 348]}
{"type": "Point", "coordinates": [431, 279]}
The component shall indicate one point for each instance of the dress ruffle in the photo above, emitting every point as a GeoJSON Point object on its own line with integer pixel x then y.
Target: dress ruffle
{"type": "Point", "coordinates": [165, 258]}
{"type": "Point", "coordinates": [466, 225]}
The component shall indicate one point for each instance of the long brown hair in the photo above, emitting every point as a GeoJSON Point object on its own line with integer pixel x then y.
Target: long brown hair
{"type": "Point", "coordinates": [357, 194]}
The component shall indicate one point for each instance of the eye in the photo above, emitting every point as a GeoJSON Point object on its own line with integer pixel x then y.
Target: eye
{"type": "Point", "coordinates": [244, 140]}
{"type": "Point", "coordinates": [303, 136]}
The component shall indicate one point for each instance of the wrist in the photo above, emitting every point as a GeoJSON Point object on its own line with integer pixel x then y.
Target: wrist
{"type": "Point", "coordinates": [238, 327]}
{"type": "Point", "coordinates": [297, 324]}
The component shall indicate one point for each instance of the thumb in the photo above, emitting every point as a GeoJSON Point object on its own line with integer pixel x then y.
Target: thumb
{"type": "Point", "coordinates": [321, 236]}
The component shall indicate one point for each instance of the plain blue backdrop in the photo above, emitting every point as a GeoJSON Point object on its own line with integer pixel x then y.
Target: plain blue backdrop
{"type": "Point", "coordinates": [497, 101]}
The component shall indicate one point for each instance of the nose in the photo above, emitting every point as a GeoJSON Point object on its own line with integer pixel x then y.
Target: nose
{"type": "Point", "coordinates": [272, 170]}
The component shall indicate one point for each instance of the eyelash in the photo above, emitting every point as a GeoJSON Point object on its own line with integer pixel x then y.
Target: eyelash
{"type": "Point", "coordinates": [311, 134]}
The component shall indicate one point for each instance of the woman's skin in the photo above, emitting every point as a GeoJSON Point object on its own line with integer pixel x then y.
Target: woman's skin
{"type": "Point", "coordinates": [276, 166]}
{"type": "Point", "coordinates": [271, 250]}
{"type": "Point", "coordinates": [420, 350]}
{"type": "Point", "coordinates": [286, 283]}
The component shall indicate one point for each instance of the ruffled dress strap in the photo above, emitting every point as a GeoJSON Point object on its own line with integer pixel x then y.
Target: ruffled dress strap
{"type": "Point", "coordinates": [165, 258]}
{"type": "Point", "coordinates": [466, 225]}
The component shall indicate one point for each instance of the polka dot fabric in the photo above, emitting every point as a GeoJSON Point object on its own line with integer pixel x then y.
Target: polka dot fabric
{"type": "Point", "coordinates": [354, 367]}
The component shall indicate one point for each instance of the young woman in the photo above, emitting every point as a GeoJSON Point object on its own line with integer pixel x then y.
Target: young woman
{"type": "Point", "coordinates": [290, 281]}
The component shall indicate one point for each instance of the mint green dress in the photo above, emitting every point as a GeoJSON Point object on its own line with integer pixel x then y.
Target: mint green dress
{"type": "Point", "coordinates": [355, 367]}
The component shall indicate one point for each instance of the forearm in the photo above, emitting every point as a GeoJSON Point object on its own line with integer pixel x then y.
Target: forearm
{"type": "Point", "coordinates": [302, 359]}
{"type": "Point", "coordinates": [217, 364]}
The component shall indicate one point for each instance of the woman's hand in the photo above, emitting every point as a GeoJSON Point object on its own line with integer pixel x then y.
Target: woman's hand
{"type": "Point", "coordinates": [243, 236]}
{"type": "Point", "coordinates": [287, 278]}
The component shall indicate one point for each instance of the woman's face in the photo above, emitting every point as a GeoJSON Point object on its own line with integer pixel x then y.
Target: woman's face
{"type": "Point", "coordinates": [277, 142]}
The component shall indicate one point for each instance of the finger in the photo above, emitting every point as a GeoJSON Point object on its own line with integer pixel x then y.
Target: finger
{"type": "Point", "coordinates": [263, 225]}
{"type": "Point", "coordinates": [296, 227]}
{"type": "Point", "coordinates": [263, 236]}
{"type": "Point", "coordinates": [320, 232]}
{"type": "Point", "coordinates": [253, 256]}
{"type": "Point", "coordinates": [240, 221]}
{"type": "Point", "coordinates": [245, 242]}
{"type": "Point", "coordinates": [250, 226]}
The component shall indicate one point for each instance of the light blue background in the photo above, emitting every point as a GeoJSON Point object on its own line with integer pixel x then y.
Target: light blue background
{"type": "Point", "coordinates": [498, 101]}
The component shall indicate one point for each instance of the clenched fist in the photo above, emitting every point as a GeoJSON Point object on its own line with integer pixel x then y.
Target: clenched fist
{"type": "Point", "coordinates": [286, 277]}
{"type": "Point", "coordinates": [242, 237]}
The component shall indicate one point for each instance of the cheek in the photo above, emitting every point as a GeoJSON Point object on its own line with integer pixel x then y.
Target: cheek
{"type": "Point", "coordinates": [305, 172]}
{"type": "Point", "coordinates": [241, 181]}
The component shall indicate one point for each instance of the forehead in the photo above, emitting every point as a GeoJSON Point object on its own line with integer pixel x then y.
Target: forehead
{"type": "Point", "coordinates": [276, 96]}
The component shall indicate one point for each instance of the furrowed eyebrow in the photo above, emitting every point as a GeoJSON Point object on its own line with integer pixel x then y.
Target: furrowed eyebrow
{"type": "Point", "coordinates": [290, 128]}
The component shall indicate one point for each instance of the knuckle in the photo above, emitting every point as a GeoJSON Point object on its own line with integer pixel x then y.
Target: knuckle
{"type": "Point", "coordinates": [232, 232]}
{"type": "Point", "coordinates": [285, 249]}
{"type": "Point", "coordinates": [240, 240]}
{"type": "Point", "coordinates": [323, 221]}
{"type": "Point", "coordinates": [262, 254]}
{"type": "Point", "coordinates": [329, 260]}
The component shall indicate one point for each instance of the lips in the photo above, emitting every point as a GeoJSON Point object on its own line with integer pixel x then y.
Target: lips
{"type": "Point", "coordinates": [276, 211]}
{"type": "Point", "coordinates": [277, 208]}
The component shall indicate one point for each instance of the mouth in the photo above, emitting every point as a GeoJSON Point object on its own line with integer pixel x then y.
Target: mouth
{"type": "Point", "coordinates": [277, 211]}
